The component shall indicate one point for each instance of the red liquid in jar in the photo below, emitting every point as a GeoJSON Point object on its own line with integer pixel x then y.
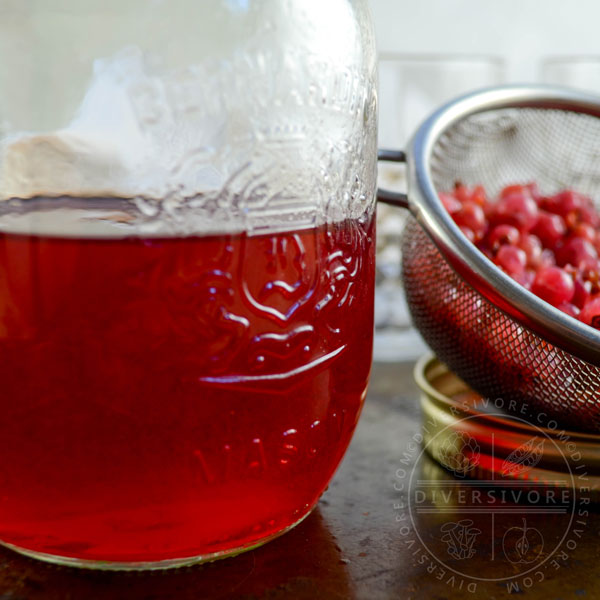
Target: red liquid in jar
{"type": "Point", "coordinates": [177, 397]}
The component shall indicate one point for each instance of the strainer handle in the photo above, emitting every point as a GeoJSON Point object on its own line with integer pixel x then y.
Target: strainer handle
{"type": "Point", "coordinates": [387, 196]}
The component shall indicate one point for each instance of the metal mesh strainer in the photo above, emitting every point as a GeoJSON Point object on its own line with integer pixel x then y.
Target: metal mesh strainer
{"type": "Point", "coordinates": [501, 339]}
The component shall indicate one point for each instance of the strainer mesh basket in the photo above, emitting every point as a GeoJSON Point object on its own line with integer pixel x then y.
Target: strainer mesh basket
{"type": "Point", "coordinates": [495, 353]}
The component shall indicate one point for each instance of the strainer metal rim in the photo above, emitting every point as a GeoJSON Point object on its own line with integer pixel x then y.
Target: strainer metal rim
{"type": "Point", "coordinates": [551, 324]}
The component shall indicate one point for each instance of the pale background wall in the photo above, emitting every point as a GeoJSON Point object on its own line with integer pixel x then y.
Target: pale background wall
{"type": "Point", "coordinates": [521, 30]}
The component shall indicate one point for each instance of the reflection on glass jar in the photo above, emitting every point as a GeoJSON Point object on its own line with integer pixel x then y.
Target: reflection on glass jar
{"type": "Point", "coordinates": [187, 249]}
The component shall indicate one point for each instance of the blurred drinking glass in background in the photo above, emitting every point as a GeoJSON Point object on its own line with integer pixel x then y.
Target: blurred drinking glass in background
{"type": "Point", "coordinates": [581, 72]}
{"type": "Point", "coordinates": [410, 88]}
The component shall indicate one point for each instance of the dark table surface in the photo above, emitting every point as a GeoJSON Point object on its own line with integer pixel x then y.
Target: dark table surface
{"type": "Point", "coordinates": [357, 543]}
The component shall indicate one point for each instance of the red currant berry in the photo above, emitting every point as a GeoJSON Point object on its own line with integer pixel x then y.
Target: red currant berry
{"type": "Point", "coordinates": [468, 233]}
{"type": "Point", "coordinates": [512, 259]}
{"type": "Point", "coordinates": [526, 278]}
{"type": "Point", "coordinates": [578, 252]}
{"type": "Point", "coordinates": [554, 285]}
{"type": "Point", "coordinates": [585, 231]}
{"type": "Point", "coordinates": [478, 195]}
{"type": "Point", "coordinates": [462, 193]}
{"type": "Point", "coordinates": [569, 309]}
{"type": "Point", "coordinates": [547, 258]}
{"type": "Point", "coordinates": [582, 291]}
{"type": "Point", "coordinates": [451, 204]}
{"type": "Point", "coordinates": [518, 209]}
{"type": "Point", "coordinates": [501, 235]}
{"type": "Point", "coordinates": [590, 313]}
{"type": "Point", "coordinates": [549, 228]}
{"type": "Point", "coordinates": [471, 215]}
{"type": "Point", "coordinates": [563, 203]}
{"type": "Point", "coordinates": [533, 248]}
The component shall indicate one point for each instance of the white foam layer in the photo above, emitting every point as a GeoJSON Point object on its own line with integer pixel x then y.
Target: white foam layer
{"type": "Point", "coordinates": [68, 222]}
{"type": "Point", "coordinates": [119, 218]}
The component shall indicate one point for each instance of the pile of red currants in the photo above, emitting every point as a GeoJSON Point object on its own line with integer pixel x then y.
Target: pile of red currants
{"type": "Point", "coordinates": [549, 244]}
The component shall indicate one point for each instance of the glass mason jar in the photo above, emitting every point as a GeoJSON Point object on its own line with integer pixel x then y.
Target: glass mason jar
{"type": "Point", "coordinates": [186, 270]}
